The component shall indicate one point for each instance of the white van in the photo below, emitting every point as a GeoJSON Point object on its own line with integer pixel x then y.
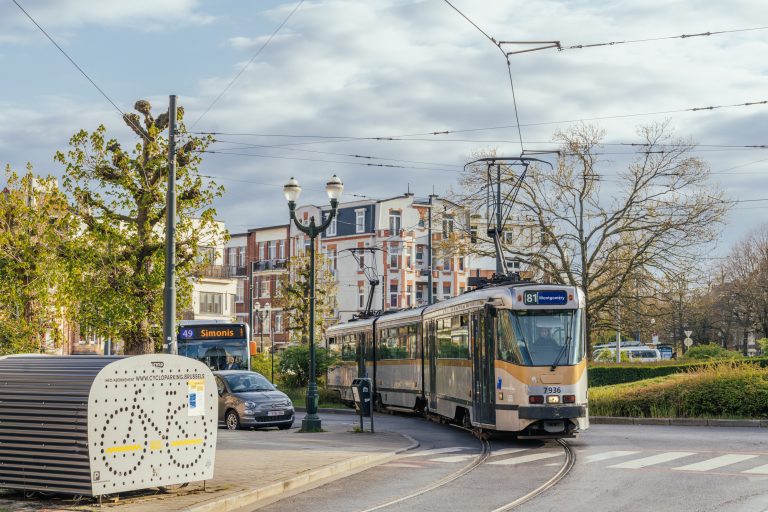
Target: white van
{"type": "Point", "coordinates": [634, 354]}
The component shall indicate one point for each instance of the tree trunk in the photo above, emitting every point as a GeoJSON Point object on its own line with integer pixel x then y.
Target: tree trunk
{"type": "Point", "coordinates": [138, 341]}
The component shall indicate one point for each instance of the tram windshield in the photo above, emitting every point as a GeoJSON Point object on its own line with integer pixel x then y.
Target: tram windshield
{"type": "Point", "coordinates": [539, 337]}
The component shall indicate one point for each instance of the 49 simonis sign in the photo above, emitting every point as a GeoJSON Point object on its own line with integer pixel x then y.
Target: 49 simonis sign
{"type": "Point", "coordinates": [212, 332]}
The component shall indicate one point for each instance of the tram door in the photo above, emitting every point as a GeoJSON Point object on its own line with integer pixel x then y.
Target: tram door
{"type": "Point", "coordinates": [483, 371]}
{"type": "Point", "coordinates": [432, 358]}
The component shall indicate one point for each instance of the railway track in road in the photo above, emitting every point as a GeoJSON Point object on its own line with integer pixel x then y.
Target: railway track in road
{"type": "Point", "coordinates": [485, 453]}
{"type": "Point", "coordinates": [570, 460]}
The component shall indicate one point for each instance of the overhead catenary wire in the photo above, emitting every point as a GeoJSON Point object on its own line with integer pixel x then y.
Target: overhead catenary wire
{"type": "Point", "coordinates": [258, 52]}
{"type": "Point", "coordinates": [661, 38]}
{"type": "Point", "coordinates": [509, 71]}
{"type": "Point", "coordinates": [137, 129]}
{"type": "Point", "coordinates": [337, 138]}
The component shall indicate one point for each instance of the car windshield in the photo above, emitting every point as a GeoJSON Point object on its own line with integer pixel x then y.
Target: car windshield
{"type": "Point", "coordinates": [643, 354]}
{"type": "Point", "coordinates": [539, 337]}
{"type": "Point", "coordinates": [245, 382]}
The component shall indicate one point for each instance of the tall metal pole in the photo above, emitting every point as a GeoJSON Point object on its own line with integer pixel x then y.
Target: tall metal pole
{"type": "Point", "coordinates": [500, 271]}
{"type": "Point", "coordinates": [618, 331]}
{"type": "Point", "coordinates": [430, 298]}
{"type": "Point", "coordinates": [272, 352]}
{"type": "Point", "coordinates": [311, 422]}
{"type": "Point", "coordinates": [169, 305]}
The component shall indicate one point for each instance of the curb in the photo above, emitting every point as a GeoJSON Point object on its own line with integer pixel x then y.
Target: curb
{"type": "Point", "coordinates": [414, 444]}
{"type": "Point", "coordinates": [327, 411]}
{"type": "Point", "coordinates": [253, 496]}
{"type": "Point", "coordinates": [687, 422]}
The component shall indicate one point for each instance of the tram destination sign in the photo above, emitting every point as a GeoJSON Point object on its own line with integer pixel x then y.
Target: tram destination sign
{"type": "Point", "coordinates": [211, 332]}
{"type": "Point", "coordinates": [545, 298]}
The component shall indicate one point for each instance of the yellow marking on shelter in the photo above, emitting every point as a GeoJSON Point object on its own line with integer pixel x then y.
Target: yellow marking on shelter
{"type": "Point", "coordinates": [186, 442]}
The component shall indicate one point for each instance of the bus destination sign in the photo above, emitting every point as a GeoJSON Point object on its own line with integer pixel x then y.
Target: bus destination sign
{"type": "Point", "coordinates": [545, 298]}
{"type": "Point", "coordinates": [211, 332]}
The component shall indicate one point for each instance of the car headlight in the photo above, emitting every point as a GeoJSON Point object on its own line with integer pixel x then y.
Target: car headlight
{"type": "Point", "coordinates": [250, 405]}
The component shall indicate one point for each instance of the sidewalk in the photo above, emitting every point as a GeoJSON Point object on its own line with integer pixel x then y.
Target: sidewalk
{"type": "Point", "coordinates": [257, 467]}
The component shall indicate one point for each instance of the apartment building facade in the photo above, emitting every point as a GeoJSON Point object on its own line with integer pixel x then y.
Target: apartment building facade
{"type": "Point", "coordinates": [390, 240]}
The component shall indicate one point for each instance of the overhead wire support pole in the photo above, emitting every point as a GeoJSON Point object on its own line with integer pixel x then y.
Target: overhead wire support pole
{"type": "Point", "coordinates": [169, 303]}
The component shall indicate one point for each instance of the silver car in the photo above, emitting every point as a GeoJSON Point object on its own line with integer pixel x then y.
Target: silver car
{"type": "Point", "coordinates": [248, 399]}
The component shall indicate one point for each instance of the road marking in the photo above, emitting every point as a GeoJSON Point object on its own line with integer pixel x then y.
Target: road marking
{"type": "Point", "coordinates": [437, 451]}
{"type": "Point", "coordinates": [453, 458]}
{"type": "Point", "coordinates": [507, 451]}
{"type": "Point", "coordinates": [607, 455]}
{"type": "Point", "coordinates": [717, 462]}
{"type": "Point", "coordinates": [650, 461]}
{"type": "Point", "coordinates": [759, 470]}
{"type": "Point", "coordinates": [403, 465]}
{"type": "Point", "coordinates": [526, 458]}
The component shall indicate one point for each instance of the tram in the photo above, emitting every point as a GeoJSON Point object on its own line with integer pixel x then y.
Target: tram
{"type": "Point", "coordinates": [506, 357]}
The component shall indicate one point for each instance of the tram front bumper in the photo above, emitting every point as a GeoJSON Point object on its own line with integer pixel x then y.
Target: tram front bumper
{"type": "Point", "coordinates": [551, 412]}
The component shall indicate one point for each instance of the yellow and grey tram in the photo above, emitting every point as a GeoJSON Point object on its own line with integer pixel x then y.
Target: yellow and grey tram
{"type": "Point", "coordinates": [507, 358]}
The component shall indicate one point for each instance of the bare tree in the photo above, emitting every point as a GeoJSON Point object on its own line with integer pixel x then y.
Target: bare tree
{"type": "Point", "coordinates": [601, 231]}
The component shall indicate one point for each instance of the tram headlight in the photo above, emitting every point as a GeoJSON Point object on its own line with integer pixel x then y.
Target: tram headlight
{"type": "Point", "coordinates": [553, 399]}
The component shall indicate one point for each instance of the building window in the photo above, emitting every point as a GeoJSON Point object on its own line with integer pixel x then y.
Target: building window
{"type": "Point", "coordinates": [473, 234]}
{"type": "Point", "coordinates": [419, 253]}
{"type": "Point", "coordinates": [359, 221]}
{"type": "Point", "coordinates": [447, 264]}
{"type": "Point", "coordinates": [331, 231]}
{"type": "Point", "coordinates": [206, 255]}
{"type": "Point", "coordinates": [362, 262]}
{"type": "Point", "coordinates": [394, 256]}
{"type": "Point", "coordinates": [272, 248]}
{"type": "Point", "coordinates": [508, 237]}
{"type": "Point", "coordinates": [394, 223]}
{"type": "Point", "coordinates": [264, 288]}
{"type": "Point", "coordinates": [278, 287]}
{"type": "Point", "coordinates": [393, 295]}
{"type": "Point", "coordinates": [240, 290]}
{"type": "Point", "coordinates": [434, 291]}
{"type": "Point", "coordinates": [447, 226]}
{"type": "Point", "coordinates": [446, 290]}
{"type": "Point", "coordinates": [241, 257]}
{"type": "Point", "coordinates": [281, 250]}
{"type": "Point", "coordinates": [409, 295]}
{"type": "Point", "coordinates": [255, 288]}
{"type": "Point", "coordinates": [278, 322]}
{"type": "Point", "coordinates": [461, 264]}
{"type": "Point", "coordinates": [210, 303]}
{"type": "Point", "coordinates": [261, 251]}
{"type": "Point", "coordinates": [419, 293]}
{"type": "Point", "coordinates": [361, 297]}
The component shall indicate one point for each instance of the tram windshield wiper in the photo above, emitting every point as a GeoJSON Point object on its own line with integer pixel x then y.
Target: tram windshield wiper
{"type": "Point", "coordinates": [562, 351]}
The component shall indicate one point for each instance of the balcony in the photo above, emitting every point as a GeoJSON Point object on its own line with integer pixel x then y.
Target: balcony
{"type": "Point", "coordinates": [236, 271]}
{"type": "Point", "coordinates": [276, 264]}
{"type": "Point", "coordinates": [216, 272]}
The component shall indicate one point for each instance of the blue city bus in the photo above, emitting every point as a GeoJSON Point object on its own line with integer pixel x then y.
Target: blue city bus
{"type": "Point", "coordinates": [220, 345]}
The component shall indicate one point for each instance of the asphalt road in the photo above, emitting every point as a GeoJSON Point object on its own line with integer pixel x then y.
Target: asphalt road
{"type": "Point", "coordinates": [618, 468]}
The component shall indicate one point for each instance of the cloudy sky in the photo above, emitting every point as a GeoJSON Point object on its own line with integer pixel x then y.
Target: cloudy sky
{"type": "Point", "coordinates": [346, 68]}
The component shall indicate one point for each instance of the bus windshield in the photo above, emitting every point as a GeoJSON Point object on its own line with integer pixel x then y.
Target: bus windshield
{"type": "Point", "coordinates": [217, 354]}
{"type": "Point", "coordinates": [539, 337]}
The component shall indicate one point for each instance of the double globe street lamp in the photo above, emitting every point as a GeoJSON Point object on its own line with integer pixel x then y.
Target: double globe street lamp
{"type": "Point", "coordinates": [292, 191]}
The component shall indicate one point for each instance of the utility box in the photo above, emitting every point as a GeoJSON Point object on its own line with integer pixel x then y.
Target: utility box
{"type": "Point", "coordinates": [362, 392]}
{"type": "Point", "coordinates": [96, 425]}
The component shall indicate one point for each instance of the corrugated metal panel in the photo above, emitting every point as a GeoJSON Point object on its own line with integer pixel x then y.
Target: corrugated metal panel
{"type": "Point", "coordinates": [43, 422]}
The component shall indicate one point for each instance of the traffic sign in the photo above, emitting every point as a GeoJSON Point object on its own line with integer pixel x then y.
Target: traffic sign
{"type": "Point", "coordinates": [688, 342]}
{"type": "Point", "coordinates": [688, 333]}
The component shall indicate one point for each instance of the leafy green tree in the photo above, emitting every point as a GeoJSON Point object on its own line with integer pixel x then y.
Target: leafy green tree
{"type": "Point", "coordinates": [763, 344]}
{"type": "Point", "coordinates": [37, 233]}
{"type": "Point", "coordinates": [294, 364]}
{"type": "Point", "coordinates": [293, 296]}
{"type": "Point", "coordinates": [120, 196]}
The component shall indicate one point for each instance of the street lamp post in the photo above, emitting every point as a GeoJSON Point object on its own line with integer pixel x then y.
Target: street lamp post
{"type": "Point", "coordinates": [292, 190]}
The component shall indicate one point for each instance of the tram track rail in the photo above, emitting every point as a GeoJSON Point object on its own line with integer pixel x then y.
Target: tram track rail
{"type": "Point", "coordinates": [485, 453]}
{"type": "Point", "coordinates": [570, 460]}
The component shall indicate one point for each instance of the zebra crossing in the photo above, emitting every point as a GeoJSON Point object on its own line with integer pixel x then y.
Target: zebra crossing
{"type": "Point", "coordinates": [747, 464]}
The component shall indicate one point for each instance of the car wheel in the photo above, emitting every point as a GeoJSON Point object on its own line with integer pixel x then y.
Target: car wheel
{"type": "Point", "coordinates": [286, 426]}
{"type": "Point", "coordinates": [232, 420]}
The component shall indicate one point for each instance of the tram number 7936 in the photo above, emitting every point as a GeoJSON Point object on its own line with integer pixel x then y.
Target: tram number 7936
{"type": "Point", "coordinates": [551, 389]}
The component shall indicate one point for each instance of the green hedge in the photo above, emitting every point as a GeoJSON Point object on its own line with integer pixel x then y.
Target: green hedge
{"type": "Point", "coordinates": [606, 375]}
{"type": "Point", "coordinates": [720, 390]}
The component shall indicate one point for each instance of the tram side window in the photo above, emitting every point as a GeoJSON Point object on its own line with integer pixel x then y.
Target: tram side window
{"type": "Point", "coordinates": [453, 337]}
{"type": "Point", "coordinates": [348, 347]}
{"type": "Point", "coordinates": [392, 345]}
{"type": "Point", "coordinates": [509, 349]}
{"type": "Point", "coordinates": [413, 342]}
